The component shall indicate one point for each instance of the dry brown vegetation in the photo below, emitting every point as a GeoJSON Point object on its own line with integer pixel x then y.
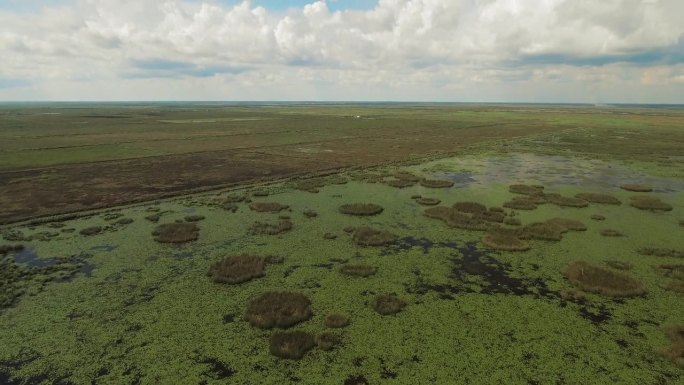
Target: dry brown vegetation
{"type": "Point", "coordinates": [407, 176]}
{"type": "Point", "coordinates": [358, 270]}
{"type": "Point", "coordinates": [267, 228]}
{"type": "Point", "coordinates": [234, 269]}
{"type": "Point", "coordinates": [597, 217]}
{"type": "Point", "coordinates": [570, 224]}
{"type": "Point", "coordinates": [361, 209]}
{"type": "Point", "coordinates": [291, 345]}
{"type": "Point", "coordinates": [336, 320]}
{"type": "Point", "coordinates": [278, 309]}
{"type": "Point", "coordinates": [598, 198]}
{"type": "Point", "coordinates": [94, 230]}
{"type": "Point", "coordinates": [310, 213]}
{"type": "Point", "coordinates": [520, 204]}
{"type": "Point", "coordinates": [436, 183]}
{"type": "Point", "coordinates": [542, 231]}
{"type": "Point", "coordinates": [327, 340]}
{"type": "Point", "coordinates": [366, 236]}
{"type": "Point", "coordinates": [636, 187]}
{"type": "Point", "coordinates": [400, 183]}
{"type": "Point", "coordinates": [611, 233]}
{"type": "Point", "coordinates": [645, 202]}
{"type": "Point", "coordinates": [674, 271]}
{"type": "Point", "coordinates": [675, 352]}
{"type": "Point", "coordinates": [501, 239]}
{"type": "Point", "coordinates": [596, 279]}
{"type": "Point", "coordinates": [387, 304]}
{"type": "Point", "coordinates": [560, 200]}
{"type": "Point", "coordinates": [526, 189]}
{"type": "Point", "coordinates": [619, 265]}
{"type": "Point", "coordinates": [267, 207]}
{"type": "Point", "coordinates": [510, 221]}
{"type": "Point", "coordinates": [469, 207]}
{"type": "Point", "coordinates": [454, 218]}
{"type": "Point", "coordinates": [176, 232]}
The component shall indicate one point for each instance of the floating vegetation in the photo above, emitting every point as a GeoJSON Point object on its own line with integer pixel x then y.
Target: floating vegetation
{"type": "Point", "coordinates": [597, 217]}
{"type": "Point", "coordinates": [194, 218]}
{"type": "Point", "coordinates": [310, 213]}
{"type": "Point", "coordinates": [267, 228]}
{"type": "Point", "coordinates": [358, 270]}
{"type": "Point", "coordinates": [267, 207]}
{"type": "Point", "coordinates": [436, 183]}
{"type": "Point", "coordinates": [469, 207]}
{"type": "Point", "coordinates": [387, 304]}
{"type": "Point", "coordinates": [366, 236]}
{"type": "Point", "coordinates": [611, 233]}
{"type": "Point", "coordinates": [336, 320]}
{"type": "Point", "coordinates": [6, 249]}
{"type": "Point", "coordinates": [291, 345]}
{"type": "Point", "coordinates": [500, 239]}
{"type": "Point", "coordinates": [635, 187]}
{"type": "Point", "coordinates": [598, 198]}
{"type": "Point", "coordinates": [176, 232]}
{"type": "Point", "coordinates": [569, 224]}
{"type": "Point", "coordinates": [596, 279]}
{"type": "Point", "coordinates": [93, 230]}
{"type": "Point", "coordinates": [428, 201]}
{"type": "Point", "coordinates": [361, 209]}
{"type": "Point", "coordinates": [619, 265]}
{"type": "Point", "coordinates": [661, 252]}
{"type": "Point", "coordinates": [675, 352]}
{"type": "Point", "coordinates": [278, 310]}
{"type": "Point", "coordinates": [400, 183]}
{"type": "Point", "coordinates": [526, 189]}
{"type": "Point", "coordinates": [560, 200]}
{"type": "Point", "coordinates": [645, 202]}
{"type": "Point", "coordinates": [520, 204]}
{"type": "Point", "coordinates": [327, 340]}
{"type": "Point", "coordinates": [235, 269]}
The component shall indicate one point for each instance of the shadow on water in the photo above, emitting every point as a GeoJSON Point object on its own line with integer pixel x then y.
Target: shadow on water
{"type": "Point", "coordinates": [29, 257]}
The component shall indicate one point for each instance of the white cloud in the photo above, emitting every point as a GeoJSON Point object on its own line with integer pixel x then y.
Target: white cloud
{"type": "Point", "coordinates": [428, 48]}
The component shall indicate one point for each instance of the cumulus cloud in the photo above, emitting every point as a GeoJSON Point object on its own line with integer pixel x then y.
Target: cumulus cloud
{"type": "Point", "coordinates": [407, 49]}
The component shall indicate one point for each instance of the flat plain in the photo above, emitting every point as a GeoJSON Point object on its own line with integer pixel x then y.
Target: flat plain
{"type": "Point", "coordinates": [341, 244]}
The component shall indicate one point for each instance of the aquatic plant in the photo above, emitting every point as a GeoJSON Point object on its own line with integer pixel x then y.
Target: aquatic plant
{"type": "Point", "coordinates": [596, 279]}
{"type": "Point", "coordinates": [645, 202]}
{"type": "Point", "coordinates": [93, 230]}
{"type": "Point", "coordinates": [291, 345]}
{"type": "Point", "coordinates": [611, 233]}
{"type": "Point", "coordinates": [674, 271]}
{"type": "Point", "coordinates": [240, 268]}
{"type": "Point", "coordinates": [501, 239]}
{"type": "Point", "coordinates": [267, 228]}
{"type": "Point", "coordinates": [675, 352]}
{"type": "Point", "coordinates": [428, 201]}
{"type": "Point", "coordinates": [327, 340]}
{"type": "Point", "coordinates": [636, 187]}
{"type": "Point", "coordinates": [455, 218]}
{"type": "Point", "coordinates": [194, 218]}
{"type": "Point", "coordinates": [267, 207]}
{"type": "Point", "coordinates": [366, 236]}
{"type": "Point", "coordinates": [387, 304]}
{"type": "Point", "coordinates": [176, 232]}
{"type": "Point", "coordinates": [361, 209]}
{"type": "Point", "coordinates": [436, 183]}
{"type": "Point", "coordinates": [469, 207]}
{"type": "Point", "coordinates": [526, 189]}
{"type": "Point", "coordinates": [357, 270]}
{"type": "Point", "coordinates": [598, 198]}
{"type": "Point", "coordinates": [278, 310]}
{"type": "Point", "coordinates": [336, 320]}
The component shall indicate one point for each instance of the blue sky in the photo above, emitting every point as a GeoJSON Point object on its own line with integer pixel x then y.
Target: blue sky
{"type": "Point", "coordinates": [586, 51]}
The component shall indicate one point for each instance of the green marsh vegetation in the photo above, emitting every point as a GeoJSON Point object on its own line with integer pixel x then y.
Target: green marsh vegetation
{"type": "Point", "coordinates": [468, 288]}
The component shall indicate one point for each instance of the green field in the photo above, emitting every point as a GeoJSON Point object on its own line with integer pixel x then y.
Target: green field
{"type": "Point", "coordinates": [116, 307]}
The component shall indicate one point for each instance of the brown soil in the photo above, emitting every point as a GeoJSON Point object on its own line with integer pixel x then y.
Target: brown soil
{"type": "Point", "coordinates": [278, 309]}
{"type": "Point", "coordinates": [596, 279]}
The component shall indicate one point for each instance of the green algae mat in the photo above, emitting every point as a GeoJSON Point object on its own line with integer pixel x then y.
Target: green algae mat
{"type": "Point", "coordinates": [478, 269]}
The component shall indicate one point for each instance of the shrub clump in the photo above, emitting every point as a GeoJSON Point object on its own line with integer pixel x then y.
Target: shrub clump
{"type": "Point", "coordinates": [400, 183]}
{"type": "Point", "coordinates": [291, 345]}
{"type": "Point", "coordinates": [526, 189]}
{"type": "Point", "coordinates": [407, 176]}
{"type": "Point", "coordinates": [176, 232]}
{"type": "Point", "coordinates": [500, 239]}
{"type": "Point", "coordinates": [597, 217]}
{"type": "Point", "coordinates": [661, 252]}
{"type": "Point", "coordinates": [675, 352]}
{"type": "Point", "coordinates": [510, 221]}
{"type": "Point", "coordinates": [124, 221]}
{"type": "Point", "coordinates": [469, 207]}
{"type": "Point", "coordinates": [646, 202]}
{"type": "Point", "coordinates": [94, 230]}
{"type": "Point", "coordinates": [569, 224]}
{"type": "Point", "coordinates": [235, 269]}
{"type": "Point", "coordinates": [596, 279]}
{"type": "Point", "coordinates": [619, 265]}
{"type": "Point", "coordinates": [636, 187]}
{"type": "Point", "coordinates": [310, 213]}
{"type": "Point", "coordinates": [336, 320]}
{"type": "Point", "coordinates": [543, 231]}
{"type": "Point", "coordinates": [358, 270]}
{"type": "Point", "coordinates": [428, 201]}
{"type": "Point", "coordinates": [366, 236]}
{"type": "Point", "coordinates": [436, 183]}
{"type": "Point", "coordinates": [362, 209]}
{"type": "Point", "coordinates": [611, 233]}
{"type": "Point", "coordinates": [327, 341]}
{"type": "Point", "coordinates": [267, 228]}
{"type": "Point", "coordinates": [560, 200]}
{"type": "Point", "coordinates": [387, 304]}
{"type": "Point", "coordinates": [6, 249]}
{"type": "Point", "coordinates": [605, 199]}
{"type": "Point", "coordinates": [267, 207]}
{"type": "Point", "coordinates": [329, 236]}
{"type": "Point", "coordinates": [278, 309]}
{"type": "Point", "coordinates": [194, 218]}
{"type": "Point", "coordinates": [520, 204]}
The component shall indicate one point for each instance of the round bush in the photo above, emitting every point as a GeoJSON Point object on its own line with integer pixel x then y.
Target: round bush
{"type": "Point", "coordinates": [291, 345]}
{"type": "Point", "coordinates": [386, 304]}
{"type": "Point", "coordinates": [266, 228]}
{"type": "Point", "coordinates": [327, 341]}
{"type": "Point", "coordinates": [94, 230]}
{"type": "Point", "coordinates": [428, 201]}
{"type": "Point", "coordinates": [502, 240]}
{"type": "Point", "coordinates": [278, 309]}
{"type": "Point", "coordinates": [336, 320]}
{"type": "Point", "coordinates": [649, 203]}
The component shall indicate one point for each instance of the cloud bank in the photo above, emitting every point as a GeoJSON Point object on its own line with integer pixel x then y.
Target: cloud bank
{"type": "Point", "coordinates": [428, 50]}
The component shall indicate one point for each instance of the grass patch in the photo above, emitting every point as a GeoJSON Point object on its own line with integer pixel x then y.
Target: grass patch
{"type": "Point", "coordinates": [520, 204]}
{"type": "Point", "coordinates": [268, 228]}
{"type": "Point", "coordinates": [176, 233]}
{"type": "Point", "coordinates": [560, 200]}
{"type": "Point", "coordinates": [291, 345]}
{"type": "Point", "coordinates": [361, 209]}
{"type": "Point", "coordinates": [235, 269]}
{"type": "Point", "coordinates": [387, 304]}
{"type": "Point", "coordinates": [310, 213]}
{"type": "Point", "coordinates": [569, 224]}
{"type": "Point", "coordinates": [278, 310]}
{"type": "Point", "coordinates": [400, 183]}
{"type": "Point", "coordinates": [598, 198]}
{"type": "Point", "coordinates": [596, 279]}
{"type": "Point", "coordinates": [597, 217]}
{"type": "Point", "coordinates": [366, 236]}
{"type": "Point", "coordinates": [358, 270]}
{"type": "Point", "coordinates": [267, 207]}
{"type": "Point", "coordinates": [544, 231]}
{"type": "Point", "coordinates": [619, 265]}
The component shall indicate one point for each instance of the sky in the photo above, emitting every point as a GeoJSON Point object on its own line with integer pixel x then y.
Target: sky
{"type": "Point", "coordinates": [547, 51]}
